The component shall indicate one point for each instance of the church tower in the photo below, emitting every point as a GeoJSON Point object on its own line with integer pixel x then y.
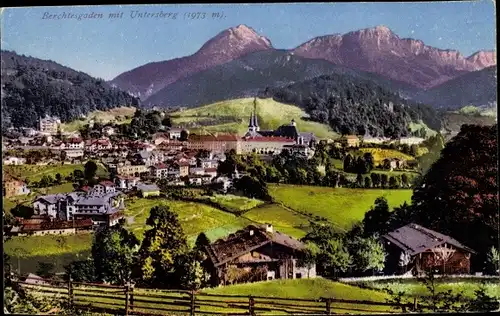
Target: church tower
{"type": "Point", "coordinates": [253, 125]}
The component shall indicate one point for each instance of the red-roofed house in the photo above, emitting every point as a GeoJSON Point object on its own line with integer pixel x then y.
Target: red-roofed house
{"type": "Point", "coordinates": [212, 172]}
{"type": "Point", "coordinates": [74, 143]}
{"type": "Point", "coordinates": [103, 187]}
{"type": "Point", "coordinates": [159, 171]}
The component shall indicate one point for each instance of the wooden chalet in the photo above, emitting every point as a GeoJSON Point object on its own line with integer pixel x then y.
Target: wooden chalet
{"type": "Point", "coordinates": [256, 253]}
{"type": "Point", "coordinates": [415, 249]}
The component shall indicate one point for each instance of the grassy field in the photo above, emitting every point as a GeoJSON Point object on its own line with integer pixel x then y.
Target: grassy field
{"type": "Point", "coordinates": [235, 203]}
{"type": "Point", "coordinates": [117, 115]}
{"type": "Point", "coordinates": [309, 289]}
{"type": "Point", "coordinates": [35, 172]}
{"type": "Point", "coordinates": [9, 203]}
{"type": "Point", "coordinates": [343, 207]}
{"type": "Point", "coordinates": [48, 245]}
{"type": "Point", "coordinates": [194, 217]}
{"type": "Point", "coordinates": [271, 115]}
{"type": "Point", "coordinates": [414, 288]}
{"type": "Point", "coordinates": [379, 154]}
{"type": "Point", "coordinates": [417, 126]}
{"type": "Point", "coordinates": [282, 219]}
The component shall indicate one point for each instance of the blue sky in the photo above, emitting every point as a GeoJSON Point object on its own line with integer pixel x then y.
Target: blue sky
{"type": "Point", "coordinates": [107, 47]}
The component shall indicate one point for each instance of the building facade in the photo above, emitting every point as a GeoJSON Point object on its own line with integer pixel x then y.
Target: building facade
{"type": "Point", "coordinates": [260, 251]}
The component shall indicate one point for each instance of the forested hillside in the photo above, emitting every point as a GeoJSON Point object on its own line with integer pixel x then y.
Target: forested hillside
{"type": "Point", "coordinates": [350, 105]}
{"type": "Point", "coordinates": [32, 87]}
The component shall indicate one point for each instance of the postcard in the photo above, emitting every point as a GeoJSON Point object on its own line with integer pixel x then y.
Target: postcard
{"type": "Point", "coordinates": [251, 159]}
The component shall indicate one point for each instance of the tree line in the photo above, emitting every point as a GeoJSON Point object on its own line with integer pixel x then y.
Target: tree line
{"type": "Point", "coordinates": [33, 88]}
{"type": "Point", "coordinates": [354, 106]}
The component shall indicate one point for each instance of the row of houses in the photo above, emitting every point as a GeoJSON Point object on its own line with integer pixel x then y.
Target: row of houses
{"type": "Point", "coordinates": [273, 255]}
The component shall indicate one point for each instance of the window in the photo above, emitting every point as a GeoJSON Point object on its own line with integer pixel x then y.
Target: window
{"type": "Point", "coordinates": [298, 275]}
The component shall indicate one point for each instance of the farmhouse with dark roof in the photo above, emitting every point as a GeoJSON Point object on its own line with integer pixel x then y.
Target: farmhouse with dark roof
{"type": "Point", "coordinates": [254, 254]}
{"type": "Point", "coordinates": [413, 248]}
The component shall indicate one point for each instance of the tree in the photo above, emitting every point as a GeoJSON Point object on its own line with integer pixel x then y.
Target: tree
{"type": "Point", "coordinates": [58, 178]}
{"type": "Point", "coordinates": [191, 274]}
{"type": "Point", "coordinates": [81, 271]}
{"type": "Point", "coordinates": [368, 254]}
{"type": "Point", "coordinates": [308, 256]}
{"type": "Point", "coordinates": [368, 182]}
{"type": "Point", "coordinates": [348, 161]}
{"type": "Point", "coordinates": [45, 269]}
{"type": "Point", "coordinates": [359, 180]}
{"type": "Point", "coordinates": [492, 261]}
{"type": "Point", "coordinates": [376, 218]}
{"type": "Point", "coordinates": [184, 135]}
{"type": "Point", "coordinates": [393, 183]}
{"type": "Point", "coordinates": [90, 170]}
{"type": "Point", "coordinates": [383, 180]}
{"type": "Point", "coordinates": [78, 174]}
{"type": "Point", "coordinates": [114, 254]}
{"type": "Point", "coordinates": [161, 247]}
{"type": "Point", "coordinates": [64, 155]}
{"type": "Point", "coordinates": [46, 181]}
{"type": "Point", "coordinates": [369, 161]}
{"type": "Point", "coordinates": [166, 121]}
{"type": "Point", "coordinates": [458, 196]}
{"type": "Point", "coordinates": [375, 179]}
{"type": "Point", "coordinates": [404, 180]}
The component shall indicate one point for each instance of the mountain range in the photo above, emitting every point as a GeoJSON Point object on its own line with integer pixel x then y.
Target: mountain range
{"type": "Point", "coordinates": [408, 64]}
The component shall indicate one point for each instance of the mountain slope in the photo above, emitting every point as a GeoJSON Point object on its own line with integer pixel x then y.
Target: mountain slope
{"type": "Point", "coordinates": [32, 87]}
{"type": "Point", "coordinates": [475, 88]}
{"type": "Point", "coordinates": [351, 105]}
{"type": "Point", "coordinates": [381, 51]}
{"type": "Point", "coordinates": [251, 74]}
{"type": "Point", "coordinates": [232, 116]}
{"type": "Point", "coordinates": [230, 44]}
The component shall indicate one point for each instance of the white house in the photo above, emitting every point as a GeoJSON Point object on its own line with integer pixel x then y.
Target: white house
{"type": "Point", "coordinates": [14, 161]}
{"type": "Point", "coordinates": [127, 182]}
{"type": "Point", "coordinates": [108, 130]}
{"type": "Point", "coordinates": [103, 187]}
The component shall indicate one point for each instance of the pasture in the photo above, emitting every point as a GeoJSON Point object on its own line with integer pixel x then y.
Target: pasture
{"type": "Point", "coordinates": [271, 115]}
{"type": "Point", "coordinates": [117, 115]}
{"type": "Point", "coordinates": [341, 206]}
{"type": "Point", "coordinates": [414, 288]}
{"type": "Point", "coordinates": [194, 218]}
{"type": "Point", "coordinates": [36, 172]}
{"type": "Point", "coordinates": [283, 220]}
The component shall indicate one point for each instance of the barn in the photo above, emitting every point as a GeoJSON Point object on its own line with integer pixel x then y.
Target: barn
{"type": "Point", "coordinates": [415, 249]}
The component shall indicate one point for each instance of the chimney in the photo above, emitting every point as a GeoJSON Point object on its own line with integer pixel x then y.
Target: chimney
{"type": "Point", "coordinates": [269, 228]}
{"type": "Point", "coordinates": [251, 232]}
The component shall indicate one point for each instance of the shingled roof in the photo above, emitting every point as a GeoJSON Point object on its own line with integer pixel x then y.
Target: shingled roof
{"type": "Point", "coordinates": [242, 241]}
{"type": "Point", "coordinates": [415, 239]}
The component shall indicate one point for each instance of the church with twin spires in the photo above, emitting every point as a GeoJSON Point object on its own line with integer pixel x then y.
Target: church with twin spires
{"type": "Point", "coordinates": [287, 131]}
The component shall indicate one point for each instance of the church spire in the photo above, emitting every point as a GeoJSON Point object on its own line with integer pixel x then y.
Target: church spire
{"type": "Point", "coordinates": [255, 122]}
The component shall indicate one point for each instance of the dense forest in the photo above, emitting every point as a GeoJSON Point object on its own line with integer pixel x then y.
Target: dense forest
{"type": "Point", "coordinates": [32, 87]}
{"type": "Point", "coordinates": [353, 106]}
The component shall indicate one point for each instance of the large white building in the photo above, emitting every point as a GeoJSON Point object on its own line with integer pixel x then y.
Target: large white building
{"type": "Point", "coordinates": [102, 209]}
{"type": "Point", "coordinates": [49, 125]}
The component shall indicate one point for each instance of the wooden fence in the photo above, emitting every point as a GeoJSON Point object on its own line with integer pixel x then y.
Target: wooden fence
{"type": "Point", "coordinates": [127, 300]}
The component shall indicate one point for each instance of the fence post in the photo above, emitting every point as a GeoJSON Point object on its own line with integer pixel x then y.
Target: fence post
{"type": "Point", "coordinates": [415, 304]}
{"type": "Point", "coordinates": [328, 306]}
{"type": "Point", "coordinates": [192, 302]}
{"type": "Point", "coordinates": [70, 292]}
{"type": "Point", "coordinates": [251, 304]}
{"type": "Point", "coordinates": [131, 296]}
{"type": "Point", "coordinates": [126, 299]}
